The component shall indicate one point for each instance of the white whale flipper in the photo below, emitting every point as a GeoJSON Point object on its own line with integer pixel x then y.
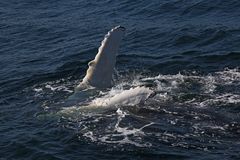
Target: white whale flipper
{"type": "Point", "coordinates": [100, 71]}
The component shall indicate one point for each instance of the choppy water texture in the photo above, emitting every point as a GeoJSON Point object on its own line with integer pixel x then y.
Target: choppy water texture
{"type": "Point", "coordinates": [186, 52]}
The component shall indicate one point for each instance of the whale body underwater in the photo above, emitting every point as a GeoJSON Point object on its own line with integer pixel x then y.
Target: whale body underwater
{"type": "Point", "coordinates": [99, 76]}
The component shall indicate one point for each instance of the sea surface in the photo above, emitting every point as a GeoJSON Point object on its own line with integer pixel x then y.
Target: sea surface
{"type": "Point", "coordinates": [186, 51]}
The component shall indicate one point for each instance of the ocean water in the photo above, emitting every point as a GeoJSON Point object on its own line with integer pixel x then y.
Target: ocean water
{"type": "Point", "coordinates": [185, 51]}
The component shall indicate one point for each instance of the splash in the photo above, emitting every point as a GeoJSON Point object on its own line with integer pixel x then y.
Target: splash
{"type": "Point", "coordinates": [174, 110]}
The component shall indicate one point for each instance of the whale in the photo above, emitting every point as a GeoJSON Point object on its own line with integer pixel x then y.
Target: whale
{"type": "Point", "coordinates": [99, 77]}
{"type": "Point", "coordinates": [100, 70]}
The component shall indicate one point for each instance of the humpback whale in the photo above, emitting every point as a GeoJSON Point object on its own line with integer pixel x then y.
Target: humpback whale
{"type": "Point", "coordinates": [100, 70]}
{"type": "Point", "coordinates": [99, 77]}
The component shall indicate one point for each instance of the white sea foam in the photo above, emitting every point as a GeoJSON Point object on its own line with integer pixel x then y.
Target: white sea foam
{"type": "Point", "coordinates": [120, 135]}
{"type": "Point", "coordinates": [102, 117]}
{"type": "Point", "coordinates": [58, 88]}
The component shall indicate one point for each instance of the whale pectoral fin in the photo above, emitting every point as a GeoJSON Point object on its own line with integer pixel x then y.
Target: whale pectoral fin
{"type": "Point", "coordinates": [100, 70]}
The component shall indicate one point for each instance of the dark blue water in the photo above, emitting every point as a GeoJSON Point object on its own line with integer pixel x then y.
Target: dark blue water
{"type": "Point", "coordinates": [187, 51]}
